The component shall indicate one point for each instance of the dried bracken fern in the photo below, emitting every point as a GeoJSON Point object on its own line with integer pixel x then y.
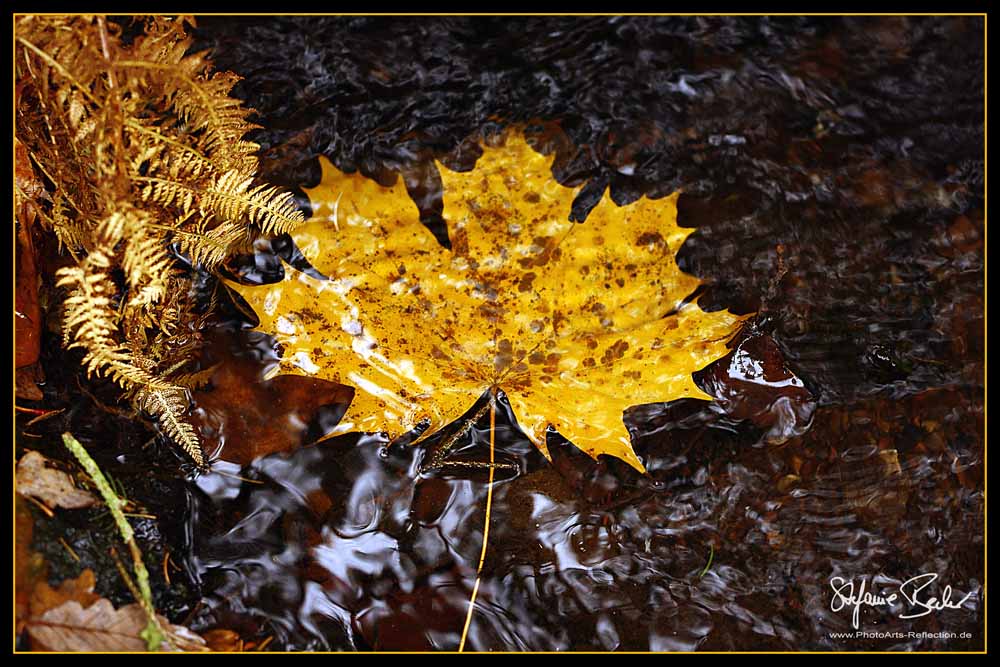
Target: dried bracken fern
{"type": "Point", "coordinates": [140, 148]}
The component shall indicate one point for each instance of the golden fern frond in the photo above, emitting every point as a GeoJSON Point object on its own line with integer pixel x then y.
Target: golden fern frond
{"type": "Point", "coordinates": [90, 320]}
{"type": "Point", "coordinates": [147, 151]}
{"type": "Point", "coordinates": [166, 193]}
{"type": "Point", "coordinates": [89, 323]}
{"type": "Point", "coordinates": [232, 198]}
{"type": "Point", "coordinates": [166, 154]}
{"type": "Point", "coordinates": [210, 247]}
{"type": "Point", "coordinates": [201, 101]}
{"type": "Point", "coordinates": [168, 406]}
{"type": "Point", "coordinates": [163, 41]}
{"type": "Point", "coordinates": [70, 234]}
{"type": "Point", "coordinates": [147, 266]}
{"type": "Point", "coordinates": [89, 317]}
{"type": "Point", "coordinates": [138, 146]}
{"type": "Point", "coordinates": [206, 106]}
{"type": "Point", "coordinates": [117, 365]}
{"type": "Point", "coordinates": [185, 166]}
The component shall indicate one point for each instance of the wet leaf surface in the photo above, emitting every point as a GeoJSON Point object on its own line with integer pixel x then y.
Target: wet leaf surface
{"type": "Point", "coordinates": [26, 381]}
{"type": "Point", "coordinates": [754, 383]}
{"type": "Point", "coordinates": [576, 322]}
{"type": "Point", "coordinates": [27, 314]}
{"type": "Point", "coordinates": [855, 142]}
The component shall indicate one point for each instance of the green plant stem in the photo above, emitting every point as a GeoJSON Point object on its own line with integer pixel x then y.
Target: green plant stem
{"type": "Point", "coordinates": [153, 632]}
{"type": "Point", "coordinates": [711, 555]}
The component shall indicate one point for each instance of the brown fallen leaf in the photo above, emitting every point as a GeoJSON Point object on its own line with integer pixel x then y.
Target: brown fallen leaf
{"type": "Point", "coordinates": [246, 416]}
{"type": "Point", "coordinates": [101, 627]}
{"type": "Point", "coordinates": [574, 322]}
{"type": "Point", "coordinates": [223, 641]}
{"type": "Point", "coordinates": [81, 590]}
{"type": "Point", "coordinates": [72, 617]}
{"type": "Point", "coordinates": [29, 567]}
{"type": "Point", "coordinates": [753, 382]}
{"type": "Point", "coordinates": [26, 381]}
{"type": "Point", "coordinates": [51, 486]}
{"type": "Point", "coordinates": [27, 314]}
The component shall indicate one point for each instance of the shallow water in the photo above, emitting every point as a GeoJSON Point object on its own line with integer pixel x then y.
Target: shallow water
{"type": "Point", "coordinates": [833, 170]}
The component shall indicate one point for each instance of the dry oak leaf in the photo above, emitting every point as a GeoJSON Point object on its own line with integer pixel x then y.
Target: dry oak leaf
{"type": "Point", "coordinates": [574, 322]}
{"type": "Point", "coordinates": [51, 486]}
{"type": "Point", "coordinates": [74, 618]}
{"type": "Point", "coordinates": [81, 590]}
{"type": "Point", "coordinates": [101, 627]}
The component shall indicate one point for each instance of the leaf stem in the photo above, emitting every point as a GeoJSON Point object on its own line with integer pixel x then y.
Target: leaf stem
{"type": "Point", "coordinates": [486, 527]}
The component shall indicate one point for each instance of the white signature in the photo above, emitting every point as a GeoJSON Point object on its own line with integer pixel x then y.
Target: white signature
{"type": "Point", "coordinates": [847, 594]}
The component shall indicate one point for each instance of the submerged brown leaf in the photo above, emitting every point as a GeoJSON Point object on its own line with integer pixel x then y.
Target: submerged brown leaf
{"type": "Point", "coordinates": [242, 416]}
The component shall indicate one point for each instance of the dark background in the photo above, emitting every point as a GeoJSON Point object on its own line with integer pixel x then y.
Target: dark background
{"type": "Point", "coordinates": [833, 169]}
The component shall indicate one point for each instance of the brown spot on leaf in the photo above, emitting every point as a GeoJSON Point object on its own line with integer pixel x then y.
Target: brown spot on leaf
{"type": "Point", "coordinates": [558, 319]}
{"type": "Point", "coordinates": [460, 242]}
{"type": "Point", "coordinates": [491, 312]}
{"type": "Point", "coordinates": [615, 352]}
{"type": "Point", "coordinates": [651, 239]}
{"type": "Point", "coordinates": [548, 250]}
{"type": "Point", "coordinates": [504, 355]}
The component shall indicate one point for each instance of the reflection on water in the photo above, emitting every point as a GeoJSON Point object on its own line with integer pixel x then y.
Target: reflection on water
{"type": "Point", "coordinates": [727, 543]}
{"type": "Point", "coordinates": [833, 169]}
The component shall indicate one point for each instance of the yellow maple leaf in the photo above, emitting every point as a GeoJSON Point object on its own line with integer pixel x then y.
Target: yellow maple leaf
{"type": "Point", "coordinates": [574, 322]}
